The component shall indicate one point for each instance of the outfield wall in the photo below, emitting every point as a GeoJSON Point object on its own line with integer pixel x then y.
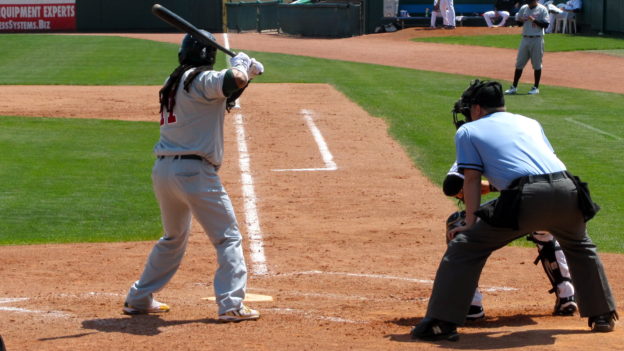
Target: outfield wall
{"type": "Point", "coordinates": [104, 15]}
{"type": "Point", "coordinates": [136, 15]}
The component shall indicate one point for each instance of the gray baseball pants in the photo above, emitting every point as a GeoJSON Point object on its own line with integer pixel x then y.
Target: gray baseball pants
{"type": "Point", "coordinates": [546, 205]}
{"type": "Point", "coordinates": [530, 48]}
{"type": "Point", "coordinates": [186, 188]}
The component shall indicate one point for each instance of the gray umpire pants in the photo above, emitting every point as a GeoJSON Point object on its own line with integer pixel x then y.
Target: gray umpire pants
{"type": "Point", "coordinates": [192, 187]}
{"type": "Point", "coordinates": [546, 205]}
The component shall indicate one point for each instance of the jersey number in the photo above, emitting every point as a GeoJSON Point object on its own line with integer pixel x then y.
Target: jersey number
{"type": "Point", "coordinates": [170, 119]}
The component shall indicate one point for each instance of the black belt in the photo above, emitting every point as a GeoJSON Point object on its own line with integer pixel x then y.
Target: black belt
{"type": "Point", "coordinates": [183, 157]}
{"type": "Point", "coordinates": [550, 177]}
{"type": "Point", "coordinates": [532, 36]}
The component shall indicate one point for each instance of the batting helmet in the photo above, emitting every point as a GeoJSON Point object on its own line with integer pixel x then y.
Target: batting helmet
{"type": "Point", "coordinates": [194, 53]}
{"type": "Point", "coordinates": [484, 93]}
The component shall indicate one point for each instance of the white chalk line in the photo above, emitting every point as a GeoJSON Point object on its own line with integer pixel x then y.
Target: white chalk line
{"type": "Point", "coordinates": [599, 131]}
{"type": "Point", "coordinates": [327, 156]}
{"type": "Point", "coordinates": [254, 233]}
{"type": "Point", "coordinates": [391, 277]}
{"type": "Point", "coordinates": [332, 296]}
{"type": "Point", "coordinates": [314, 315]}
{"type": "Point", "coordinates": [55, 314]}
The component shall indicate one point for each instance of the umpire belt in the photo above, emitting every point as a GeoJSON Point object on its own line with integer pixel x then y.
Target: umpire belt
{"type": "Point", "coordinates": [550, 177]}
{"type": "Point", "coordinates": [183, 157]}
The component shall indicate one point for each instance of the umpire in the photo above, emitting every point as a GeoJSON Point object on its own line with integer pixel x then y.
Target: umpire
{"type": "Point", "coordinates": [537, 193]}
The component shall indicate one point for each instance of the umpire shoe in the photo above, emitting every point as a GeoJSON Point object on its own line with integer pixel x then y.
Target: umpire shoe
{"type": "Point", "coordinates": [475, 313]}
{"type": "Point", "coordinates": [603, 323]}
{"type": "Point", "coordinates": [565, 306]}
{"type": "Point", "coordinates": [433, 330]}
{"type": "Point", "coordinates": [511, 91]}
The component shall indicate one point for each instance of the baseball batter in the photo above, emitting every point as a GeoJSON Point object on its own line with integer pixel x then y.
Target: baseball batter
{"type": "Point", "coordinates": [534, 18]}
{"type": "Point", "coordinates": [193, 102]}
{"type": "Point", "coordinates": [549, 253]}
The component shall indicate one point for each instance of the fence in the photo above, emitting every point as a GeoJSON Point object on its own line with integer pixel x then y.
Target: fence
{"type": "Point", "coordinates": [341, 19]}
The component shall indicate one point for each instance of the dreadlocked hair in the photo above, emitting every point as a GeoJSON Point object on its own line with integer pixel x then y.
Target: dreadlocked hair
{"type": "Point", "coordinates": [167, 93]}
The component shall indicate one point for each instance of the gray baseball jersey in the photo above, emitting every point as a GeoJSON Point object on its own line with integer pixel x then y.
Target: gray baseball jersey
{"type": "Point", "coordinates": [529, 28]}
{"type": "Point", "coordinates": [196, 125]}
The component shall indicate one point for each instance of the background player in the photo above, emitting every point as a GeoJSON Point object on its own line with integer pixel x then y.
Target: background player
{"type": "Point", "coordinates": [448, 13]}
{"type": "Point", "coordinates": [189, 153]}
{"type": "Point", "coordinates": [549, 253]}
{"type": "Point", "coordinates": [534, 18]}
{"type": "Point", "coordinates": [502, 9]}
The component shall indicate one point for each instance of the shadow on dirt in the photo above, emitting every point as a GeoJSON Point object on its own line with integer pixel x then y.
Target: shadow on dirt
{"type": "Point", "coordinates": [493, 340]}
{"type": "Point", "coordinates": [497, 340]}
{"type": "Point", "coordinates": [138, 325]}
{"type": "Point", "coordinates": [515, 320]}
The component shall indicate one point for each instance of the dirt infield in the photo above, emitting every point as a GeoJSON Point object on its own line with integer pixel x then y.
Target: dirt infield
{"type": "Point", "coordinates": [593, 71]}
{"type": "Point", "coordinates": [350, 252]}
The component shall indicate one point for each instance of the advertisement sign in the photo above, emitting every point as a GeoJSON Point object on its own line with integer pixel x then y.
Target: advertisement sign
{"type": "Point", "coordinates": [37, 15]}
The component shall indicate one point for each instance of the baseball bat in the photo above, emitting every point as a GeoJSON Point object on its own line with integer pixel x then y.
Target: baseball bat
{"type": "Point", "coordinates": [180, 23]}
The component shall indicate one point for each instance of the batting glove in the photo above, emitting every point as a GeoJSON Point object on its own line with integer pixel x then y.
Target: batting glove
{"type": "Point", "coordinates": [241, 61]}
{"type": "Point", "coordinates": [255, 69]}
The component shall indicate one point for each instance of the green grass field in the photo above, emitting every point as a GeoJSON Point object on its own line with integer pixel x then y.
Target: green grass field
{"type": "Point", "coordinates": [583, 126]}
{"type": "Point", "coordinates": [76, 180]}
{"type": "Point", "coordinates": [552, 42]}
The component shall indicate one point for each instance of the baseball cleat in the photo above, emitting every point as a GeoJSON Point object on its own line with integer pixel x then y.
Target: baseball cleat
{"type": "Point", "coordinates": [604, 323]}
{"type": "Point", "coordinates": [533, 91]}
{"type": "Point", "coordinates": [156, 307]}
{"type": "Point", "coordinates": [434, 330]}
{"type": "Point", "coordinates": [242, 314]}
{"type": "Point", "coordinates": [511, 91]}
{"type": "Point", "coordinates": [565, 306]}
{"type": "Point", "coordinates": [475, 313]}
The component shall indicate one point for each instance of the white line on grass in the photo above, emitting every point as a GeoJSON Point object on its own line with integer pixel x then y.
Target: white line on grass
{"type": "Point", "coordinates": [599, 131]}
{"type": "Point", "coordinates": [254, 233]}
{"type": "Point", "coordinates": [327, 156]}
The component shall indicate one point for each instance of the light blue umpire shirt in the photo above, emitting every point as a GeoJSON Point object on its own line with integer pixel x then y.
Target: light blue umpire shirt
{"type": "Point", "coordinates": [505, 146]}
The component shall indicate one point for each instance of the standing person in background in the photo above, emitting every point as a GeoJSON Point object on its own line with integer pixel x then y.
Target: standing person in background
{"type": "Point", "coordinates": [534, 18]}
{"type": "Point", "coordinates": [502, 9]}
{"type": "Point", "coordinates": [448, 13]}
{"type": "Point", "coordinates": [193, 102]}
{"type": "Point", "coordinates": [435, 13]}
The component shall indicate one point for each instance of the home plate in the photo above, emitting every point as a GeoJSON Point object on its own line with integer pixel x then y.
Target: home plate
{"type": "Point", "coordinates": [248, 297]}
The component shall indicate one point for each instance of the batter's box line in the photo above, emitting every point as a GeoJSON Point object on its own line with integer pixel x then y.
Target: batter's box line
{"type": "Point", "coordinates": [52, 314]}
{"type": "Point", "coordinates": [327, 156]}
{"type": "Point", "coordinates": [339, 296]}
{"type": "Point", "coordinates": [313, 315]}
{"type": "Point", "coordinates": [390, 277]}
